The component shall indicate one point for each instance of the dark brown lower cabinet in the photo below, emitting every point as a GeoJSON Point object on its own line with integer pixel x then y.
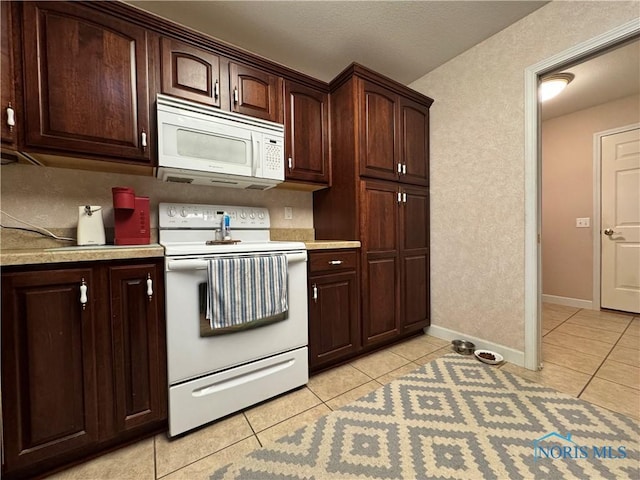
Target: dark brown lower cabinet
{"type": "Point", "coordinates": [83, 361]}
{"type": "Point", "coordinates": [334, 319]}
{"type": "Point", "coordinates": [395, 260]}
{"type": "Point", "coordinates": [137, 347]}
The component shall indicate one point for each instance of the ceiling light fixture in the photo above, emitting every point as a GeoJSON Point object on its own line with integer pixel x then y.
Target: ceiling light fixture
{"type": "Point", "coordinates": [553, 85]}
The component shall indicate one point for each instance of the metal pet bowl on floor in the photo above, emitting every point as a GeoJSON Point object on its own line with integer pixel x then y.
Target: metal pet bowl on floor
{"type": "Point", "coordinates": [463, 347]}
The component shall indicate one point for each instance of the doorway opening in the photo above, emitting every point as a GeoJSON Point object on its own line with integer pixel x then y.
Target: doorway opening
{"type": "Point", "coordinates": [533, 176]}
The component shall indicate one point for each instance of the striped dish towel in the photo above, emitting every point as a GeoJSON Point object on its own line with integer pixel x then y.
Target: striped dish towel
{"type": "Point", "coordinates": [246, 291]}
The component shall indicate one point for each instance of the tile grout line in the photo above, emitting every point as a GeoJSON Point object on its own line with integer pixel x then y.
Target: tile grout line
{"type": "Point", "coordinates": [605, 359]}
{"type": "Point", "coordinates": [155, 459]}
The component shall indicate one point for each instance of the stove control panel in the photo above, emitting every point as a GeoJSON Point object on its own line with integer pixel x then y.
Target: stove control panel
{"type": "Point", "coordinates": [188, 215]}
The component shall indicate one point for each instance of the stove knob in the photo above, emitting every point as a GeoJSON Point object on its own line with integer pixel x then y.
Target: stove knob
{"type": "Point", "coordinates": [261, 215]}
{"type": "Point", "coordinates": [243, 214]}
{"type": "Point", "coordinates": [171, 211]}
{"type": "Point", "coordinates": [183, 212]}
{"type": "Point", "coordinates": [252, 215]}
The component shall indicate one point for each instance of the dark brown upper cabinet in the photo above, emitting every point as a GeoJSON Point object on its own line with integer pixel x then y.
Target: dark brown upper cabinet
{"type": "Point", "coordinates": [255, 92]}
{"type": "Point", "coordinates": [379, 150]}
{"type": "Point", "coordinates": [306, 119]}
{"type": "Point", "coordinates": [394, 136]}
{"type": "Point", "coordinates": [8, 100]}
{"type": "Point", "coordinates": [414, 142]}
{"type": "Point", "coordinates": [86, 85]}
{"type": "Point", "coordinates": [190, 72]}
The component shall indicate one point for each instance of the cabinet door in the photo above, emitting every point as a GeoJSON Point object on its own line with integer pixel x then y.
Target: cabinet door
{"type": "Point", "coordinates": [49, 398]}
{"type": "Point", "coordinates": [334, 324]}
{"type": "Point", "coordinates": [190, 72]}
{"type": "Point", "coordinates": [86, 87]}
{"type": "Point", "coordinates": [380, 261]}
{"type": "Point", "coordinates": [307, 134]}
{"type": "Point", "coordinates": [414, 142]}
{"type": "Point", "coordinates": [7, 132]}
{"type": "Point", "coordinates": [139, 368]}
{"type": "Point", "coordinates": [255, 92]}
{"type": "Point", "coordinates": [379, 149]}
{"type": "Point", "coordinates": [414, 258]}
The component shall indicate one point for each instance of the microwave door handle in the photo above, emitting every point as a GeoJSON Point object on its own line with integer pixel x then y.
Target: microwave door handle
{"type": "Point", "coordinates": [255, 153]}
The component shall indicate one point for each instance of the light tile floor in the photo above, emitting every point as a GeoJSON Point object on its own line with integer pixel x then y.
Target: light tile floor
{"type": "Point", "coordinates": [592, 355]}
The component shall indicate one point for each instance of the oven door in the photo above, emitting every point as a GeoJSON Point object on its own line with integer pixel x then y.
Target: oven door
{"type": "Point", "coordinates": [191, 355]}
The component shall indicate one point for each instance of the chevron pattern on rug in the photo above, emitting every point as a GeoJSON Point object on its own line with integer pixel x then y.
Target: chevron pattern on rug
{"type": "Point", "coordinates": [453, 418]}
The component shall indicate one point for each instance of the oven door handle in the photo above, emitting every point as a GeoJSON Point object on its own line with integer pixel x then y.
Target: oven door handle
{"type": "Point", "coordinates": [196, 264]}
{"type": "Point", "coordinates": [184, 265]}
{"type": "Point", "coordinates": [297, 257]}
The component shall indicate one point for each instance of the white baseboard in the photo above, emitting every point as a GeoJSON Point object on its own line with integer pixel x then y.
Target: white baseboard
{"type": "Point", "coordinates": [510, 355]}
{"type": "Point", "coordinates": [567, 301]}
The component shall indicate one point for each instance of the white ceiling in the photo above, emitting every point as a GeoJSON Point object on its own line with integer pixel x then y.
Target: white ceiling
{"type": "Point", "coordinates": [612, 75]}
{"type": "Point", "coordinates": [403, 40]}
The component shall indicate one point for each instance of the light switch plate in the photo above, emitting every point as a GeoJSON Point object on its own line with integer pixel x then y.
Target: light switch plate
{"type": "Point", "coordinates": [288, 213]}
{"type": "Point", "coordinates": [583, 222]}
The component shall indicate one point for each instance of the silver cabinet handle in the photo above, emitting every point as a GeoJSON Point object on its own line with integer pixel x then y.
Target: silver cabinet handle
{"type": "Point", "coordinates": [335, 262]}
{"type": "Point", "coordinates": [404, 197]}
{"type": "Point", "coordinates": [83, 294]}
{"type": "Point", "coordinates": [399, 168]}
{"type": "Point", "coordinates": [149, 287]}
{"type": "Point", "coordinates": [290, 163]}
{"type": "Point", "coordinates": [216, 90]}
{"type": "Point", "coordinates": [399, 197]}
{"type": "Point", "coordinates": [11, 117]}
{"type": "Point", "coordinates": [609, 231]}
{"type": "Point", "coordinates": [143, 140]}
{"type": "Point", "coordinates": [315, 292]}
{"type": "Point", "coordinates": [404, 168]}
{"type": "Point", "coordinates": [235, 95]}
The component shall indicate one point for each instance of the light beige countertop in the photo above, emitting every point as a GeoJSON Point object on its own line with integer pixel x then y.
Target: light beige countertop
{"type": "Point", "coordinates": [78, 254]}
{"type": "Point", "coordinates": [331, 244]}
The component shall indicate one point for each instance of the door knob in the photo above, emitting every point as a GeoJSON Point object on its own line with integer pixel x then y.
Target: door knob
{"type": "Point", "coordinates": [609, 232]}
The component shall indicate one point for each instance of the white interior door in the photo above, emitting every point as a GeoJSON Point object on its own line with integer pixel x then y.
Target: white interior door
{"type": "Point", "coordinates": [620, 232]}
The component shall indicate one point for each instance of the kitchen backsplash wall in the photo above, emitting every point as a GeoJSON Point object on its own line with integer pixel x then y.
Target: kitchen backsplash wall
{"type": "Point", "coordinates": [49, 197]}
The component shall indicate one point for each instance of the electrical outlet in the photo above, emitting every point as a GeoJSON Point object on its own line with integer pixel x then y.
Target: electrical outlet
{"type": "Point", "coordinates": [288, 213]}
{"type": "Point", "coordinates": [583, 222]}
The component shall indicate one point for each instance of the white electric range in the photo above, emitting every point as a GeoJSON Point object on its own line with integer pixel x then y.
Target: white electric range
{"type": "Point", "coordinates": [213, 376]}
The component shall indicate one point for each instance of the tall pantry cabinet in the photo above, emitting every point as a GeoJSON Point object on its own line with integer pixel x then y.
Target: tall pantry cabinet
{"type": "Point", "coordinates": [380, 196]}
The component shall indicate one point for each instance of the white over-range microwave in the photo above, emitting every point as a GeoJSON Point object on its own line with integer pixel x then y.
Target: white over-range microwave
{"type": "Point", "coordinates": [207, 146]}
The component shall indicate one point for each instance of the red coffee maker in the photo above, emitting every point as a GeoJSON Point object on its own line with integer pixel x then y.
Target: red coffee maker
{"type": "Point", "coordinates": [131, 217]}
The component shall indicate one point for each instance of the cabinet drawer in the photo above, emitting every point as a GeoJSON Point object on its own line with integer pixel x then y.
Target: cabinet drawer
{"type": "Point", "coordinates": [334, 260]}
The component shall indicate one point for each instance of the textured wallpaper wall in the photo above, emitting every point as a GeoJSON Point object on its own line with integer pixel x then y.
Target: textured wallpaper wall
{"type": "Point", "coordinates": [567, 193]}
{"type": "Point", "coordinates": [49, 197]}
{"type": "Point", "coordinates": [477, 167]}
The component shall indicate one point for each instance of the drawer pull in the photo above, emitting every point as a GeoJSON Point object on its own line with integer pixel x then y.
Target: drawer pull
{"type": "Point", "coordinates": [315, 292]}
{"type": "Point", "coordinates": [335, 262]}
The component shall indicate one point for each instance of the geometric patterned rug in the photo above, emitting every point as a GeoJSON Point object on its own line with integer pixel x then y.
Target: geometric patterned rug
{"type": "Point", "coordinates": [454, 418]}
